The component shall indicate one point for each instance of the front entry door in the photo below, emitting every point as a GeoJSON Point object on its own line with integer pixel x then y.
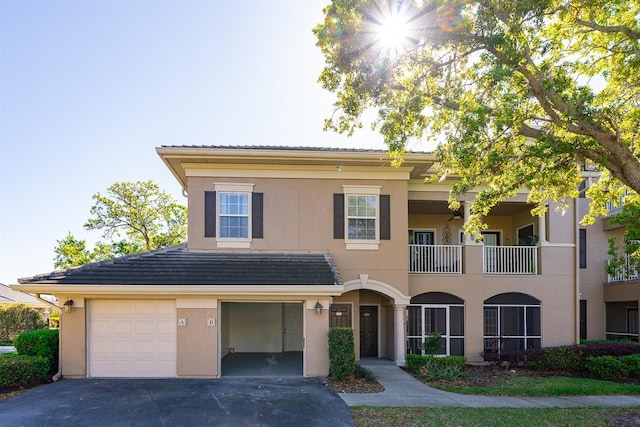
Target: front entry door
{"type": "Point", "coordinates": [368, 331]}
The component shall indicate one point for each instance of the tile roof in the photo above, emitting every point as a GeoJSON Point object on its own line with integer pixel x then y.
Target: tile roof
{"type": "Point", "coordinates": [178, 266]}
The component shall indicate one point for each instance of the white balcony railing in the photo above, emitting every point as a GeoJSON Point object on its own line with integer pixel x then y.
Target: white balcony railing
{"type": "Point", "coordinates": [626, 273]}
{"type": "Point", "coordinates": [510, 260]}
{"type": "Point", "coordinates": [435, 259]}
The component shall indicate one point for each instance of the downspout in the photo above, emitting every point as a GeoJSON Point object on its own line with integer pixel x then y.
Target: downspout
{"type": "Point", "coordinates": [576, 241]}
{"type": "Point", "coordinates": [58, 374]}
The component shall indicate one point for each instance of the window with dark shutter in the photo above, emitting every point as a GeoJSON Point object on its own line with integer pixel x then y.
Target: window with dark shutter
{"type": "Point", "coordinates": [582, 243]}
{"type": "Point", "coordinates": [385, 217]}
{"type": "Point", "coordinates": [257, 228]}
{"type": "Point", "coordinates": [338, 216]}
{"type": "Point", "coordinates": [209, 214]}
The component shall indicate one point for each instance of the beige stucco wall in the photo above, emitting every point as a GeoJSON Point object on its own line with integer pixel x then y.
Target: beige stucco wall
{"type": "Point", "coordinates": [298, 216]}
{"type": "Point", "coordinates": [197, 343]}
{"type": "Point", "coordinates": [555, 292]}
{"type": "Point", "coordinates": [73, 343]}
{"type": "Point", "coordinates": [316, 330]}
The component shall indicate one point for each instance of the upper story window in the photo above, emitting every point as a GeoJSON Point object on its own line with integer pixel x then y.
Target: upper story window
{"type": "Point", "coordinates": [362, 217]}
{"type": "Point", "coordinates": [364, 214]}
{"type": "Point", "coordinates": [233, 215]}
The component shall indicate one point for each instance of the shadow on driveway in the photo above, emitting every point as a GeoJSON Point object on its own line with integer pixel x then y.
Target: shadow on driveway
{"type": "Point", "coordinates": [178, 402]}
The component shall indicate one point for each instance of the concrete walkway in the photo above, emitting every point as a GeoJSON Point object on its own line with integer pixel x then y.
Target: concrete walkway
{"type": "Point", "coordinates": [401, 389]}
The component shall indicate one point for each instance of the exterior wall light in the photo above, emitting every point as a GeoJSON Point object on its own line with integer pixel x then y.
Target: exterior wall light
{"type": "Point", "coordinates": [68, 305]}
{"type": "Point", "coordinates": [318, 308]}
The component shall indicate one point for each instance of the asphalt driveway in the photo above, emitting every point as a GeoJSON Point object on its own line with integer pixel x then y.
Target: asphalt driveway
{"type": "Point", "coordinates": [178, 402]}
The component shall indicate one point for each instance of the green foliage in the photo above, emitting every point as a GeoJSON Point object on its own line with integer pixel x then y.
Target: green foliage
{"type": "Point", "coordinates": [42, 343]}
{"type": "Point", "coordinates": [135, 216]}
{"type": "Point", "coordinates": [365, 373]}
{"type": "Point", "coordinates": [563, 358]}
{"type": "Point", "coordinates": [18, 318]}
{"type": "Point", "coordinates": [625, 261]}
{"type": "Point", "coordinates": [432, 343]}
{"type": "Point", "coordinates": [342, 356]}
{"type": "Point", "coordinates": [631, 365]}
{"type": "Point", "coordinates": [605, 367]}
{"type": "Point", "coordinates": [516, 94]}
{"type": "Point", "coordinates": [22, 371]}
{"type": "Point", "coordinates": [415, 362]}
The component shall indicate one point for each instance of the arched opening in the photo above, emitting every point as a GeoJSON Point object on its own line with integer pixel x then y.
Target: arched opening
{"type": "Point", "coordinates": [511, 321]}
{"type": "Point", "coordinates": [436, 312]}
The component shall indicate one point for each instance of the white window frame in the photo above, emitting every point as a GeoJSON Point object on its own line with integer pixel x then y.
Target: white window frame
{"type": "Point", "coordinates": [237, 188]}
{"type": "Point", "coordinates": [361, 190]}
{"type": "Point", "coordinates": [446, 337]}
{"type": "Point", "coordinates": [525, 336]}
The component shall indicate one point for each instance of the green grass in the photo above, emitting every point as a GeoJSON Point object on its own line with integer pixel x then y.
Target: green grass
{"type": "Point", "coordinates": [546, 386]}
{"type": "Point", "coordinates": [365, 416]}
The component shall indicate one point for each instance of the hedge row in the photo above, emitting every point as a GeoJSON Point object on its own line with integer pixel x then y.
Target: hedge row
{"type": "Point", "coordinates": [41, 343]}
{"type": "Point", "coordinates": [415, 361]}
{"type": "Point", "coordinates": [17, 370]}
{"type": "Point", "coordinates": [571, 358]}
{"type": "Point", "coordinates": [36, 361]}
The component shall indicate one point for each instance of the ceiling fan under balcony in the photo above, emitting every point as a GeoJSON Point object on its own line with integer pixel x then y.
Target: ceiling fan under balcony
{"type": "Point", "coordinates": [456, 215]}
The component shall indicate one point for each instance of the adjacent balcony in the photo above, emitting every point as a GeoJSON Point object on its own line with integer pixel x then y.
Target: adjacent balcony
{"type": "Point", "coordinates": [626, 273]}
{"type": "Point", "coordinates": [438, 259]}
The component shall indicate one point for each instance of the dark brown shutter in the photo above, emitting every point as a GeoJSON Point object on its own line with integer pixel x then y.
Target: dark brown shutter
{"type": "Point", "coordinates": [209, 214]}
{"type": "Point", "coordinates": [582, 246]}
{"type": "Point", "coordinates": [385, 217]}
{"type": "Point", "coordinates": [257, 228]}
{"type": "Point", "coordinates": [338, 216]}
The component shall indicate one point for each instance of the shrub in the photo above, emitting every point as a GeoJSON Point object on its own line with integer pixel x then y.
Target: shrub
{"type": "Point", "coordinates": [365, 373]}
{"type": "Point", "coordinates": [18, 318]}
{"type": "Point", "coordinates": [605, 367]}
{"type": "Point", "coordinates": [632, 364]}
{"type": "Point", "coordinates": [432, 343]}
{"type": "Point", "coordinates": [433, 371]}
{"type": "Point", "coordinates": [563, 358]}
{"type": "Point", "coordinates": [22, 371]}
{"type": "Point", "coordinates": [342, 356]}
{"type": "Point", "coordinates": [42, 343]}
{"type": "Point", "coordinates": [416, 362]}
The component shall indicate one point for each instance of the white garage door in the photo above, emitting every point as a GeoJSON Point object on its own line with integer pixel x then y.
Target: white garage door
{"type": "Point", "coordinates": [132, 338]}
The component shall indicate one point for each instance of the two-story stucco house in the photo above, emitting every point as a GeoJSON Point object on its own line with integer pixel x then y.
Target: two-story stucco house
{"type": "Point", "coordinates": [284, 243]}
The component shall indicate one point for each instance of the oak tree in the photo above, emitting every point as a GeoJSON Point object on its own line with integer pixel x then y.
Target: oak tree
{"type": "Point", "coordinates": [516, 93]}
{"type": "Point", "coordinates": [134, 217]}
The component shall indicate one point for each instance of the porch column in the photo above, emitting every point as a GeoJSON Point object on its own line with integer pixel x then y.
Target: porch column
{"type": "Point", "coordinates": [542, 229]}
{"type": "Point", "coordinates": [467, 214]}
{"type": "Point", "coordinates": [399, 334]}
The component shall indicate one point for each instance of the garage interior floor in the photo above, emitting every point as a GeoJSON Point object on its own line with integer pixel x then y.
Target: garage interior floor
{"type": "Point", "coordinates": [286, 364]}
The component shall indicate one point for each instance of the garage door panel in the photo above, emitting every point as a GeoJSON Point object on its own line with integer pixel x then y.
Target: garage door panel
{"type": "Point", "coordinates": [145, 327]}
{"type": "Point", "coordinates": [133, 338]}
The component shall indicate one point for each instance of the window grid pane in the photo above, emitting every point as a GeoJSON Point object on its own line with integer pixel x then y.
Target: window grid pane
{"type": "Point", "coordinates": [361, 217]}
{"type": "Point", "coordinates": [234, 215]}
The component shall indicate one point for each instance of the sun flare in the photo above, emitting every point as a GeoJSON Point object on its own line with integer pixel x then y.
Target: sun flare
{"type": "Point", "coordinates": [393, 32]}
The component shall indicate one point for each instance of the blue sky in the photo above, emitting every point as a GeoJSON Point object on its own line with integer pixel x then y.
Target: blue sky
{"type": "Point", "coordinates": [88, 89]}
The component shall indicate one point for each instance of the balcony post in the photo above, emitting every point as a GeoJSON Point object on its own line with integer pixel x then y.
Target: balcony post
{"type": "Point", "coordinates": [542, 229]}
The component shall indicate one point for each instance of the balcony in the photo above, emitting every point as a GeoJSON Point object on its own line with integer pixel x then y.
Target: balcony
{"type": "Point", "coordinates": [435, 259]}
{"type": "Point", "coordinates": [627, 273]}
{"type": "Point", "coordinates": [447, 259]}
{"type": "Point", "coordinates": [510, 260]}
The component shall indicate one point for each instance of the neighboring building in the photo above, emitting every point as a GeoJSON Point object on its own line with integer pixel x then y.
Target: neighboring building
{"type": "Point", "coordinates": [285, 242]}
{"type": "Point", "coordinates": [608, 303]}
{"type": "Point", "coordinates": [9, 297]}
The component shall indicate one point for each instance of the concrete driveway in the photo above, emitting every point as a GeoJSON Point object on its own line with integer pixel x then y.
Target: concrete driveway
{"type": "Point", "coordinates": [178, 402]}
